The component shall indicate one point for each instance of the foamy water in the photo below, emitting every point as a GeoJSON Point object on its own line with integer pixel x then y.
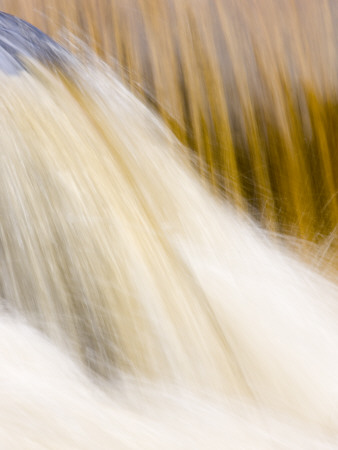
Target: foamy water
{"type": "Point", "coordinates": [167, 319]}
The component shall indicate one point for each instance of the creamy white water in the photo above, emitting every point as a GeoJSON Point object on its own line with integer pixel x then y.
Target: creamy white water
{"type": "Point", "coordinates": [203, 332]}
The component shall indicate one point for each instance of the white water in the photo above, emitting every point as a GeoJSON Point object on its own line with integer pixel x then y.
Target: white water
{"type": "Point", "coordinates": [207, 335]}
